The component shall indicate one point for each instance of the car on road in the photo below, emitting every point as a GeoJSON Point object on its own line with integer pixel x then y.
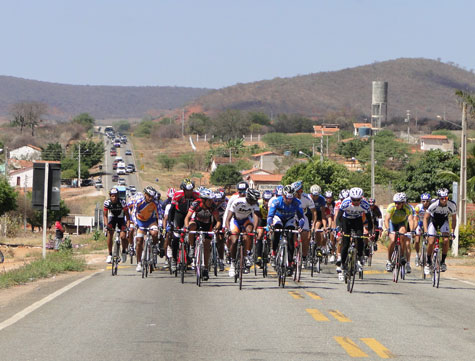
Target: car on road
{"type": "Point", "coordinates": [122, 182]}
{"type": "Point", "coordinates": [132, 189]}
{"type": "Point", "coordinates": [87, 182]}
{"type": "Point", "coordinates": [115, 178]}
{"type": "Point", "coordinates": [128, 152]}
{"type": "Point", "coordinates": [113, 153]}
{"type": "Point", "coordinates": [132, 166]}
{"type": "Point", "coordinates": [117, 143]}
{"type": "Point", "coordinates": [123, 139]}
{"type": "Point", "coordinates": [129, 169]}
{"type": "Point", "coordinates": [99, 184]}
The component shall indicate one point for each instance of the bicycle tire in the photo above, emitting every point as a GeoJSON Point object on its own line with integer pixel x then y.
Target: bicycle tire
{"type": "Point", "coordinates": [318, 266]}
{"type": "Point", "coordinates": [198, 266]}
{"type": "Point", "coordinates": [115, 257]}
{"type": "Point", "coordinates": [2, 258]}
{"type": "Point", "coordinates": [435, 270]}
{"type": "Point", "coordinates": [312, 259]}
{"type": "Point", "coordinates": [423, 259]}
{"type": "Point", "coordinates": [284, 266]}
{"type": "Point", "coordinates": [352, 268]}
{"type": "Point", "coordinates": [265, 253]}
{"type": "Point", "coordinates": [394, 261]}
{"type": "Point", "coordinates": [215, 260]}
{"type": "Point", "coordinates": [241, 264]}
{"type": "Point", "coordinates": [370, 255]}
{"type": "Point", "coordinates": [254, 256]}
{"type": "Point", "coordinates": [403, 272]}
{"type": "Point", "coordinates": [182, 262]}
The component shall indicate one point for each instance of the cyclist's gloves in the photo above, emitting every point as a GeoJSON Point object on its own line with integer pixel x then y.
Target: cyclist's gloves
{"type": "Point", "coordinates": [269, 220]}
{"type": "Point", "coordinates": [267, 228]}
{"type": "Point", "coordinates": [169, 228]}
{"type": "Point", "coordinates": [301, 223]}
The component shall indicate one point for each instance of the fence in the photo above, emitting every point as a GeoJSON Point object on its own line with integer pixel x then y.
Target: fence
{"type": "Point", "coordinates": [207, 137]}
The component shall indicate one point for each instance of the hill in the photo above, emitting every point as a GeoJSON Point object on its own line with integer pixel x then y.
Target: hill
{"type": "Point", "coordinates": [426, 87]}
{"type": "Point", "coordinates": [101, 102]}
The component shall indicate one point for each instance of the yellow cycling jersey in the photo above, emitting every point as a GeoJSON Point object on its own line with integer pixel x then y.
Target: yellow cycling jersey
{"type": "Point", "coordinates": [399, 215]}
{"type": "Point", "coordinates": [263, 209]}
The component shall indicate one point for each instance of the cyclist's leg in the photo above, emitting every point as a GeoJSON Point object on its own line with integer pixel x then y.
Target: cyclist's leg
{"type": "Point", "coordinates": [405, 243]}
{"type": "Point", "coordinates": [260, 236]}
{"type": "Point", "coordinates": [445, 242]}
{"type": "Point", "coordinates": [290, 225]}
{"type": "Point", "coordinates": [305, 237]}
{"type": "Point", "coordinates": [192, 226]}
{"type": "Point", "coordinates": [277, 223]}
{"type": "Point", "coordinates": [131, 235]}
{"type": "Point", "coordinates": [392, 239]}
{"type": "Point", "coordinates": [431, 231]}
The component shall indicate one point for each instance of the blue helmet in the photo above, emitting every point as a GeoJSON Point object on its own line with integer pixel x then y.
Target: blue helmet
{"type": "Point", "coordinates": [279, 190]}
{"type": "Point", "coordinates": [266, 195]}
{"type": "Point", "coordinates": [425, 197]}
{"type": "Point", "coordinates": [297, 185]}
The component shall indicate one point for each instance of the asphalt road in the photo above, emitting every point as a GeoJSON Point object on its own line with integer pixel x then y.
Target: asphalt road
{"type": "Point", "coordinates": [130, 318]}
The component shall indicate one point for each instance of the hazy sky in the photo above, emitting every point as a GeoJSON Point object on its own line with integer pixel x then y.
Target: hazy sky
{"type": "Point", "coordinates": [216, 43]}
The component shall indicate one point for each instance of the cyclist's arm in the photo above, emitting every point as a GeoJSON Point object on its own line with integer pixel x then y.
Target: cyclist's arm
{"type": "Point", "coordinates": [106, 217]}
{"type": "Point", "coordinates": [369, 220]}
{"type": "Point", "coordinates": [339, 217]}
{"type": "Point", "coordinates": [187, 218]}
{"type": "Point", "coordinates": [454, 222]}
{"type": "Point", "coordinates": [255, 221]}
{"type": "Point", "coordinates": [426, 221]}
{"type": "Point", "coordinates": [228, 219]}
{"type": "Point", "coordinates": [386, 220]}
{"type": "Point", "coordinates": [127, 215]}
{"type": "Point", "coordinates": [217, 219]}
{"type": "Point", "coordinates": [314, 218]}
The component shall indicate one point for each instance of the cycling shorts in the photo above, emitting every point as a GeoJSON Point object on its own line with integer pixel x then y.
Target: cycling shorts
{"type": "Point", "coordinates": [394, 227]}
{"type": "Point", "coordinates": [238, 225]}
{"type": "Point", "coordinates": [200, 226]}
{"type": "Point", "coordinates": [286, 222]}
{"type": "Point", "coordinates": [443, 229]}
{"type": "Point", "coordinates": [119, 222]}
{"type": "Point", "coordinates": [151, 223]}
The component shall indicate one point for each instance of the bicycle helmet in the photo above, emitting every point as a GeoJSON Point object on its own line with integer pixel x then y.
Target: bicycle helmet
{"type": "Point", "coordinates": [328, 194]}
{"type": "Point", "coordinates": [279, 190]}
{"type": "Point", "coordinates": [289, 191]}
{"type": "Point", "coordinates": [242, 187]}
{"type": "Point", "coordinates": [345, 193]}
{"type": "Point", "coordinates": [157, 196]}
{"type": "Point", "coordinates": [171, 192]}
{"type": "Point", "coordinates": [150, 191]}
{"type": "Point", "coordinates": [443, 192]}
{"type": "Point", "coordinates": [425, 197]}
{"type": "Point", "coordinates": [372, 201]}
{"type": "Point", "coordinates": [356, 193]}
{"type": "Point", "coordinates": [315, 190]}
{"type": "Point", "coordinates": [206, 194]}
{"type": "Point", "coordinates": [266, 195]}
{"type": "Point", "coordinates": [399, 197]}
{"type": "Point", "coordinates": [113, 190]}
{"type": "Point", "coordinates": [187, 184]}
{"type": "Point", "coordinates": [252, 195]}
{"type": "Point", "coordinates": [298, 185]}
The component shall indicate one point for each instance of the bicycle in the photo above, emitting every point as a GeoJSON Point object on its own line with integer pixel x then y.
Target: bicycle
{"type": "Point", "coordinates": [329, 249]}
{"type": "Point", "coordinates": [370, 247]}
{"type": "Point", "coordinates": [436, 261]}
{"type": "Point", "coordinates": [132, 252]}
{"type": "Point", "coordinates": [423, 256]}
{"type": "Point", "coordinates": [399, 267]}
{"type": "Point", "coordinates": [182, 261]}
{"type": "Point", "coordinates": [239, 261]}
{"type": "Point", "coordinates": [265, 253]}
{"type": "Point", "coordinates": [314, 259]}
{"type": "Point", "coordinates": [199, 255]}
{"type": "Point", "coordinates": [213, 261]}
{"type": "Point", "coordinates": [115, 252]}
{"type": "Point", "coordinates": [351, 264]}
{"type": "Point", "coordinates": [282, 259]}
{"type": "Point", "coordinates": [298, 258]}
{"type": "Point", "coordinates": [147, 262]}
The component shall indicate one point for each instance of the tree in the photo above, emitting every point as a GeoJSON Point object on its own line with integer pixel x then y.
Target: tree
{"type": "Point", "coordinates": [199, 123]}
{"type": "Point", "coordinates": [53, 151]}
{"type": "Point", "coordinates": [84, 119]}
{"type": "Point", "coordinates": [8, 197]}
{"type": "Point", "coordinates": [225, 175]}
{"type": "Point", "coordinates": [123, 126]}
{"type": "Point", "coordinates": [230, 124]}
{"type": "Point", "coordinates": [259, 118]}
{"type": "Point", "coordinates": [27, 114]}
{"type": "Point", "coordinates": [166, 162]}
{"type": "Point", "coordinates": [293, 123]}
{"type": "Point", "coordinates": [424, 175]}
{"type": "Point", "coordinates": [35, 218]}
{"type": "Point", "coordinates": [350, 149]}
{"type": "Point", "coordinates": [91, 152]}
{"type": "Point", "coordinates": [188, 159]}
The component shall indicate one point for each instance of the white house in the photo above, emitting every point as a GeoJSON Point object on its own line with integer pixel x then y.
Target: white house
{"type": "Point", "coordinates": [266, 161]}
{"type": "Point", "coordinates": [21, 178]}
{"type": "Point", "coordinates": [26, 152]}
{"type": "Point", "coordinates": [441, 142]}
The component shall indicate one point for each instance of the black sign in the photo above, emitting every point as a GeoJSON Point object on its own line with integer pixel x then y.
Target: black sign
{"type": "Point", "coordinates": [54, 184]}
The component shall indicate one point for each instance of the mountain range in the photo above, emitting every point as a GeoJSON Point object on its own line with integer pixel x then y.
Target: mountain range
{"type": "Point", "coordinates": [424, 86]}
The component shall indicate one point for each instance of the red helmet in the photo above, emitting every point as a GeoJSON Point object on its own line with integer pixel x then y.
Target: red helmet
{"type": "Point", "coordinates": [171, 192]}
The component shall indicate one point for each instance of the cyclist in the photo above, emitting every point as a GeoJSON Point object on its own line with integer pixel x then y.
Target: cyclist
{"type": "Point", "coordinates": [148, 212]}
{"type": "Point", "coordinates": [344, 193]}
{"type": "Point", "coordinates": [281, 217]}
{"type": "Point", "coordinates": [437, 218]}
{"type": "Point", "coordinates": [377, 222]}
{"type": "Point", "coordinates": [320, 221]}
{"type": "Point", "coordinates": [131, 203]}
{"type": "Point", "coordinates": [420, 212]}
{"type": "Point", "coordinates": [307, 204]}
{"type": "Point", "coordinates": [181, 202]}
{"type": "Point", "coordinates": [116, 214]}
{"type": "Point", "coordinates": [263, 210]}
{"type": "Point", "coordinates": [399, 216]}
{"type": "Point", "coordinates": [167, 221]}
{"type": "Point", "coordinates": [200, 217]}
{"type": "Point", "coordinates": [221, 203]}
{"type": "Point", "coordinates": [329, 216]}
{"type": "Point", "coordinates": [241, 192]}
{"type": "Point", "coordinates": [242, 216]}
{"type": "Point", "coordinates": [354, 215]}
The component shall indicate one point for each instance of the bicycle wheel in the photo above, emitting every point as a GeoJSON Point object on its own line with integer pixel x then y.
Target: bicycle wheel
{"type": "Point", "coordinates": [395, 263]}
{"type": "Point", "coordinates": [115, 257]}
{"type": "Point", "coordinates": [198, 266]}
{"type": "Point", "coordinates": [284, 266]}
{"type": "Point", "coordinates": [241, 264]}
{"type": "Point", "coordinates": [435, 270]}
{"type": "Point", "coordinates": [312, 259]}
{"type": "Point", "coordinates": [352, 270]}
{"type": "Point", "coordinates": [298, 262]}
{"type": "Point", "coordinates": [2, 258]}
{"type": "Point", "coordinates": [182, 261]}
{"type": "Point", "coordinates": [318, 265]}
{"type": "Point", "coordinates": [403, 272]}
{"type": "Point", "coordinates": [215, 259]}
{"type": "Point", "coordinates": [254, 256]}
{"type": "Point", "coordinates": [370, 255]}
{"type": "Point", "coordinates": [265, 253]}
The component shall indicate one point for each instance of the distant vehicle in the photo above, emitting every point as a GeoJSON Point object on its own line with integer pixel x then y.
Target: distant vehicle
{"type": "Point", "coordinates": [122, 182]}
{"type": "Point", "coordinates": [128, 152]}
{"type": "Point", "coordinates": [113, 153]}
{"type": "Point", "coordinates": [123, 139]}
{"type": "Point", "coordinates": [99, 184]}
{"type": "Point", "coordinates": [121, 168]}
{"type": "Point", "coordinates": [116, 143]}
{"type": "Point", "coordinates": [87, 182]}
{"type": "Point", "coordinates": [131, 165]}
{"type": "Point", "coordinates": [118, 158]}
{"type": "Point", "coordinates": [122, 192]}
{"type": "Point", "coordinates": [129, 169]}
{"type": "Point", "coordinates": [108, 129]}
{"type": "Point", "coordinates": [115, 178]}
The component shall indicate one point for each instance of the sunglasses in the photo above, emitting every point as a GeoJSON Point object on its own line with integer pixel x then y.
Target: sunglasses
{"type": "Point", "coordinates": [443, 198]}
{"type": "Point", "coordinates": [398, 202]}
{"type": "Point", "coordinates": [356, 199]}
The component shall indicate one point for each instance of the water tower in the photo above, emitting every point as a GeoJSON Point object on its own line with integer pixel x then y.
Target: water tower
{"type": "Point", "coordinates": [379, 104]}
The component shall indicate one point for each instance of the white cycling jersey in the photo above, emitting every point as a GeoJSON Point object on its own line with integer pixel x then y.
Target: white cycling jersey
{"type": "Point", "coordinates": [228, 206]}
{"type": "Point", "coordinates": [242, 209]}
{"type": "Point", "coordinates": [352, 211]}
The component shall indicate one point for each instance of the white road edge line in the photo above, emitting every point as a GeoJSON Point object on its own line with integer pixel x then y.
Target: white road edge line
{"type": "Point", "coordinates": [463, 281]}
{"type": "Point", "coordinates": [17, 317]}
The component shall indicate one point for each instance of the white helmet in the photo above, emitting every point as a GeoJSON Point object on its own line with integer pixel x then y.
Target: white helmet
{"type": "Point", "coordinates": [356, 193]}
{"type": "Point", "coordinates": [400, 197]}
{"type": "Point", "coordinates": [315, 190]}
{"type": "Point", "coordinates": [345, 193]}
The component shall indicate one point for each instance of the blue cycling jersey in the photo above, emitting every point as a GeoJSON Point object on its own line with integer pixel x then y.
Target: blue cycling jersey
{"type": "Point", "coordinates": [320, 202]}
{"type": "Point", "coordinates": [284, 211]}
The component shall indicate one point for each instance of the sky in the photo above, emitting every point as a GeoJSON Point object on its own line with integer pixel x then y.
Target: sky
{"type": "Point", "coordinates": [218, 43]}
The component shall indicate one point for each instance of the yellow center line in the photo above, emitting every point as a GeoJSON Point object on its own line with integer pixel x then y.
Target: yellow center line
{"type": "Point", "coordinates": [317, 315]}
{"type": "Point", "coordinates": [339, 316]}
{"type": "Point", "coordinates": [373, 272]}
{"type": "Point", "coordinates": [350, 347]}
{"type": "Point", "coordinates": [313, 295]}
{"type": "Point", "coordinates": [110, 267]}
{"type": "Point", "coordinates": [295, 295]}
{"type": "Point", "coordinates": [380, 350]}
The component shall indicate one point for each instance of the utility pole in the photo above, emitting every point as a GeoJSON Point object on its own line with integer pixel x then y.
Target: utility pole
{"type": "Point", "coordinates": [79, 166]}
{"type": "Point", "coordinates": [372, 167]}
{"type": "Point", "coordinates": [408, 118]}
{"type": "Point", "coordinates": [321, 147]}
{"type": "Point", "coordinates": [463, 168]}
{"type": "Point", "coordinates": [45, 208]}
{"type": "Point", "coordinates": [183, 122]}
{"type": "Point", "coordinates": [24, 206]}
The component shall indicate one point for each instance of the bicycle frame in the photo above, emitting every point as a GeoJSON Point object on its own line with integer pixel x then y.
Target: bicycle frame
{"type": "Point", "coordinates": [115, 252]}
{"type": "Point", "coordinates": [239, 261]}
{"type": "Point", "coordinates": [199, 255]}
{"type": "Point", "coordinates": [282, 259]}
{"type": "Point", "coordinates": [146, 252]}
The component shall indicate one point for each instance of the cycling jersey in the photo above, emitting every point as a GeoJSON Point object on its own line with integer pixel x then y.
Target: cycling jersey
{"type": "Point", "coordinates": [263, 209]}
{"type": "Point", "coordinates": [440, 214]}
{"type": "Point", "coordinates": [330, 209]}
{"type": "Point", "coordinates": [146, 211]}
{"type": "Point", "coordinates": [116, 210]}
{"type": "Point", "coordinates": [352, 211]}
{"type": "Point", "coordinates": [285, 211]}
{"type": "Point", "coordinates": [242, 209]}
{"type": "Point", "coordinates": [399, 215]}
{"type": "Point", "coordinates": [221, 207]}
{"type": "Point", "coordinates": [202, 214]}
{"type": "Point", "coordinates": [229, 204]}
{"type": "Point", "coordinates": [320, 202]}
{"type": "Point", "coordinates": [182, 204]}
{"type": "Point", "coordinates": [306, 202]}
{"type": "Point", "coordinates": [420, 212]}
